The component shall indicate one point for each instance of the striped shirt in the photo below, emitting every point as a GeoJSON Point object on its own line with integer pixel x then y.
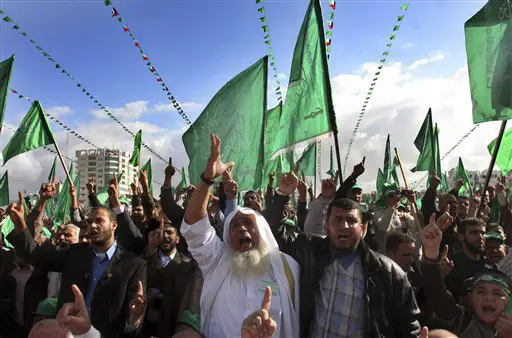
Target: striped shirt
{"type": "Point", "coordinates": [340, 302]}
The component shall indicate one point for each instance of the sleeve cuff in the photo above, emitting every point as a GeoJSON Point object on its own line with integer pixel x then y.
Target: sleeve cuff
{"type": "Point", "coordinates": [92, 333]}
{"type": "Point", "coordinates": [119, 210]}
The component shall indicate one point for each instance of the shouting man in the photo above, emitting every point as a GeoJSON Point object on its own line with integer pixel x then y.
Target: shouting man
{"type": "Point", "coordinates": [237, 271]}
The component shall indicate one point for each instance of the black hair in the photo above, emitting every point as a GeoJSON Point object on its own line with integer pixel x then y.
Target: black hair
{"type": "Point", "coordinates": [345, 204]}
{"type": "Point", "coordinates": [469, 222]}
{"type": "Point", "coordinates": [111, 214]}
{"type": "Point", "coordinates": [395, 239]}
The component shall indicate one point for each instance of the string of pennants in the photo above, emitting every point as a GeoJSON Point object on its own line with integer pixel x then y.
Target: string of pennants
{"type": "Point", "coordinates": [268, 41]}
{"type": "Point", "coordinates": [58, 66]}
{"type": "Point", "coordinates": [377, 74]}
{"type": "Point", "coordinates": [47, 148]}
{"type": "Point", "coordinates": [60, 123]}
{"type": "Point", "coordinates": [330, 27]}
{"type": "Point", "coordinates": [149, 64]}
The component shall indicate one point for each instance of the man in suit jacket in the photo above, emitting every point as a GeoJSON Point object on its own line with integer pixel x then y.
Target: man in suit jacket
{"type": "Point", "coordinates": [106, 274]}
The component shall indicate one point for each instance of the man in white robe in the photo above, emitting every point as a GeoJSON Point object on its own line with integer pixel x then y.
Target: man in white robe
{"type": "Point", "coordinates": [237, 271]}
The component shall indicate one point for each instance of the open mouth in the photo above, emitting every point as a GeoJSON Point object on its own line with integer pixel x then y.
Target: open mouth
{"type": "Point", "coordinates": [487, 309]}
{"type": "Point", "coordinates": [245, 241]}
{"type": "Point", "coordinates": [342, 237]}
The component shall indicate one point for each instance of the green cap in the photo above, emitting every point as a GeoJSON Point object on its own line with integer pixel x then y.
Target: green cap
{"type": "Point", "coordinates": [493, 276]}
{"type": "Point", "coordinates": [190, 318]}
{"type": "Point", "coordinates": [497, 236]}
{"type": "Point", "coordinates": [356, 186]}
{"type": "Point", "coordinates": [47, 307]}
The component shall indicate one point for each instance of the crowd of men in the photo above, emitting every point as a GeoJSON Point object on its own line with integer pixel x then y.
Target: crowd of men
{"type": "Point", "coordinates": [196, 264]}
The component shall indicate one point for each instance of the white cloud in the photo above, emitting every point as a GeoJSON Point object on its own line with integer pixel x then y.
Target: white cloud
{"type": "Point", "coordinates": [282, 76]}
{"type": "Point", "coordinates": [437, 56]}
{"type": "Point", "coordinates": [130, 111]}
{"type": "Point", "coordinates": [407, 45]}
{"type": "Point", "coordinates": [59, 111]}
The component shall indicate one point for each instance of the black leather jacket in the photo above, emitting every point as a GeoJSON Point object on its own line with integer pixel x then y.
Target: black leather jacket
{"type": "Point", "coordinates": [391, 307]}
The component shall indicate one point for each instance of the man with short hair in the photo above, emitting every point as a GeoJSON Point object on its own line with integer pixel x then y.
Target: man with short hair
{"type": "Point", "coordinates": [237, 270]}
{"type": "Point", "coordinates": [401, 248]}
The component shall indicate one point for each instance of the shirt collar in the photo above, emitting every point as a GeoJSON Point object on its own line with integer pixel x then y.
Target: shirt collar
{"type": "Point", "coordinates": [171, 257]}
{"type": "Point", "coordinates": [110, 252]}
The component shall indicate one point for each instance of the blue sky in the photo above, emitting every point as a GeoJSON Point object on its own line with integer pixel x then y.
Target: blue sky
{"type": "Point", "coordinates": [197, 46]}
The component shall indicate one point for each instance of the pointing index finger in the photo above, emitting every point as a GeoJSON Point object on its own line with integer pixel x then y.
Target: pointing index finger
{"type": "Point", "coordinates": [140, 289]}
{"type": "Point", "coordinates": [265, 305]}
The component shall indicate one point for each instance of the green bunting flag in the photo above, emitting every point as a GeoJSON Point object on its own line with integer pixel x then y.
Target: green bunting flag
{"type": "Point", "coordinates": [488, 44]}
{"type": "Point", "coordinates": [5, 76]}
{"type": "Point", "coordinates": [331, 171]}
{"type": "Point", "coordinates": [183, 183]}
{"type": "Point", "coordinates": [308, 106]}
{"type": "Point", "coordinates": [462, 174]}
{"type": "Point", "coordinates": [34, 132]}
{"type": "Point", "coordinates": [236, 115]}
{"type": "Point", "coordinates": [149, 173]}
{"type": "Point", "coordinates": [504, 158]}
{"type": "Point", "coordinates": [135, 159]}
{"type": "Point", "coordinates": [424, 142]}
{"type": "Point", "coordinates": [4, 190]}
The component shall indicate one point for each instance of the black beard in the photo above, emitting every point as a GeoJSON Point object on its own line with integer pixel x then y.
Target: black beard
{"type": "Point", "coordinates": [474, 249]}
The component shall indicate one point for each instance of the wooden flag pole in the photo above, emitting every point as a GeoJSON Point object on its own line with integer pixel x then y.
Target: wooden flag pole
{"type": "Point", "coordinates": [63, 164]}
{"type": "Point", "coordinates": [414, 205]}
{"type": "Point", "coordinates": [491, 165]}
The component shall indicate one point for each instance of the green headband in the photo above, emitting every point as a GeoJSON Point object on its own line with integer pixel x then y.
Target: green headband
{"type": "Point", "coordinates": [491, 278]}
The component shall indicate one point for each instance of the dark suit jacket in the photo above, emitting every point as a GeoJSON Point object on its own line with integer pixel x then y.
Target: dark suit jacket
{"type": "Point", "coordinates": [111, 298]}
{"type": "Point", "coordinates": [172, 281]}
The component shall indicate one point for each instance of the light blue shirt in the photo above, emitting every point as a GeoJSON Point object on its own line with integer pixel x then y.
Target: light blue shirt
{"type": "Point", "coordinates": [100, 262]}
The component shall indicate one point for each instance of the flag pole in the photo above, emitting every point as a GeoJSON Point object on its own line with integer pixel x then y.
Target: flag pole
{"type": "Point", "coordinates": [63, 164]}
{"type": "Point", "coordinates": [491, 165]}
{"type": "Point", "coordinates": [414, 205]}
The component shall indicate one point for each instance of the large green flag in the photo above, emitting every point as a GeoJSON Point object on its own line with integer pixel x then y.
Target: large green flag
{"type": "Point", "coordinates": [149, 173]}
{"type": "Point", "coordinates": [504, 158]}
{"type": "Point", "coordinates": [5, 77]}
{"type": "Point", "coordinates": [183, 183]}
{"type": "Point", "coordinates": [424, 142]}
{"type": "Point", "coordinates": [34, 132]}
{"type": "Point", "coordinates": [4, 190]}
{"type": "Point", "coordinates": [52, 170]}
{"type": "Point", "coordinates": [488, 44]}
{"type": "Point", "coordinates": [137, 142]}
{"type": "Point", "coordinates": [462, 174]}
{"type": "Point", "coordinates": [62, 209]}
{"type": "Point", "coordinates": [331, 171]}
{"type": "Point", "coordinates": [308, 160]}
{"type": "Point", "coordinates": [308, 109]}
{"type": "Point", "coordinates": [236, 115]}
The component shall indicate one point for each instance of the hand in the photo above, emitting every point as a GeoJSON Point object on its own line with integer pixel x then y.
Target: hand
{"type": "Point", "coordinates": [226, 176]}
{"type": "Point", "coordinates": [143, 178]}
{"type": "Point", "coordinates": [445, 220]}
{"type": "Point", "coordinates": [302, 187]}
{"type": "Point", "coordinates": [358, 169]}
{"type": "Point", "coordinates": [446, 264]}
{"type": "Point", "coordinates": [72, 191]}
{"type": "Point", "coordinates": [133, 187]}
{"type": "Point", "coordinates": [91, 187]}
{"type": "Point", "coordinates": [215, 167]}
{"type": "Point", "coordinates": [434, 180]}
{"type": "Point", "coordinates": [460, 184]}
{"type": "Point", "coordinates": [113, 193]}
{"type": "Point", "coordinates": [289, 183]}
{"type": "Point", "coordinates": [271, 178]}
{"type": "Point", "coordinates": [431, 237]}
{"type": "Point", "coordinates": [424, 332]}
{"type": "Point", "coordinates": [74, 316]}
{"type": "Point", "coordinates": [504, 325]}
{"type": "Point", "coordinates": [393, 201]}
{"type": "Point", "coordinates": [499, 187]}
{"type": "Point", "coordinates": [17, 213]}
{"type": "Point", "coordinates": [39, 239]}
{"type": "Point", "coordinates": [48, 190]}
{"type": "Point", "coordinates": [170, 171]}
{"type": "Point", "coordinates": [259, 323]}
{"type": "Point", "coordinates": [231, 189]}
{"type": "Point", "coordinates": [137, 306]}
{"type": "Point", "coordinates": [328, 188]}
{"type": "Point", "coordinates": [155, 239]}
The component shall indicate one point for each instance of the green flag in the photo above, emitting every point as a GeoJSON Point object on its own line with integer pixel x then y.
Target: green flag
{"type": "Point", "coordinates": [236, 114]}
{"type": "Point", "coordinates": [7, 227]}
{"type": "Point", "coordinates": [52, 171]}
{"type": "Point", "coordinates": [135, 159]}
{"type": "Point", "coordinates": [488, 43]}
{"type": "Point", "coordinates": [504, 158]}
{"type": "Point", "coordinates": [4, 190]}
{"type": "Point", "coordinates": [34, 132]}
{"type": "Point", "coordinates": [437, 156]}
{"type": "Point", "coordinates": [308, 107]}
{"type": "Point", "coordinates": [183, 184]}
{"type": "Point", "coordinates": [308, 160]}
{"type": "Point", "coordinates": [5, 76]}
{"type": "Point", "coordinates": [331, 171]}
{"type": "Point", "coordinates": [462, 174]}
{"type": "Point", "coordinates": [424, 142]}
{"type": "Point", "coordinates": [388, 177]}
{"type": "Point", "coordinates": [149, 173]}
{"type": "Point", "coordinates": [102, 194]}
{"type": "Point", "coordinates": [62, 209]}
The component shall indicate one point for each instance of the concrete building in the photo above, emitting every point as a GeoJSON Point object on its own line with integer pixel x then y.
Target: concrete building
{"type": "Point", "coordinates": [102, 165]}
{"type": "Point", "coordinates": [475, 176]}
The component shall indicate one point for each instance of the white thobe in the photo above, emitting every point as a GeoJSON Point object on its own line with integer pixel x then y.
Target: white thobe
{"type": "Point", "coordinates": [237, 297]}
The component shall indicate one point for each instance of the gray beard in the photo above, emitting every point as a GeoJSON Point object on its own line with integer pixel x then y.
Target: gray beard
{"type": "Point", "coordinates": [255, 261]}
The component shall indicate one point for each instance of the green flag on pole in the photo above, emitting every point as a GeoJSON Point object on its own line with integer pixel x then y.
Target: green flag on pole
{"type": "Point", "coordinates": [34, 132]}
{"type": "Point", "coordinates": [4, 190]}
{"type": "Point", "coordinates": [424, 142]}
{"type": "Point", "coordinates": [149, 173]}
{"type": "Point", "coordinates": [331, 171]}
{"type": "Point", "coordinates": [62, 209]}
{"type": "Point", "coordinates": [183, 184]}
{"type": "Point", "coordinates": [437, 158]}
{"type": "Point", "coordinates": [135, 159]}
{"type": "Point", "coordinates": [488, 44]}
{"type": "Point", "coordinates": [308, 160]}
{"type": "Point", "coordinates": [52, 171]}
{"type": "Point", "coordinates": [462, 174]}
{"type": "Point", "coordinates": [504, 158]}
{"type": "Point", "coordinates": [308, 109]}
{"type": "Point", "coordinates": [236, 115]}
{"type": "Point", "coordinates": [387, 178]}
{"type": "Point", "coordinates": [5, 77]}
{"type": "Point", "coordinates": [50, 204]}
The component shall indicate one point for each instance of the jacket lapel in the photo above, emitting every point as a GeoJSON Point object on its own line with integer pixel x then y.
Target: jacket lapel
{"type": "Point", "coordinates": [114, 265]}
